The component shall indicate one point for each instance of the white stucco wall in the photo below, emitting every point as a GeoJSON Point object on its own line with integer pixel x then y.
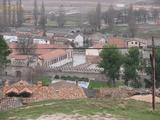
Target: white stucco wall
{"type": "Point", "coordinates": [40, 41]}
{"type": "Point", "coordinates": [10, 39]}
{"type": "Point", "coordinates": [92, 52]}
{"type": "Point", "coordinates": [133, 44]}
{"type": "Point", "coordinates": [79, 41]}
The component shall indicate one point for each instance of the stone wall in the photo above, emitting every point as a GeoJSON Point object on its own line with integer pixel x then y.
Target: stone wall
{"type": "Point", "coordinates": [9, 103]}
{"type": "Point", "coordinates": [93, 59]}
{"type": "Point", "coordinates": [91, 76]}
{"type": "Point", "coordinates": [12, 71]}
{"type": "Point", "coordinates": [115, 93]}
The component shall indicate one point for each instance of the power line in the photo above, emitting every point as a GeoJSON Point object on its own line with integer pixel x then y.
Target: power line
{"type": "Point", "coordinates": [125, 48]}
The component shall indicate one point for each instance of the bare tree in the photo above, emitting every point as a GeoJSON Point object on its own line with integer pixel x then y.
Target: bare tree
{"type": "Point", "coordinates": [14, 17]}
{"type": "Point", "coordinates": [25, 45]}
{"type": "Point", "coordinates": [38, 73]}
{"type": "Point", "coordinates": [43, 19]}
{"type": "Point", "coordinates": [61, 17]}
{"type": "Point", "coordinates": [155, 14]}
{"type": "Point", "coordinates": [98, 16]}
{"type": "Point", "coordinates": [5, 13]}
{"type": "Point", "coordinates": [21, 16]}
{"type": "Point", "coordinates": [92, 19]}
{"type": "Point", "coordinates": [111, 15]}
{"type": "Point", "coordinates": [9, 12]}
{"type": "Point", "coordinates": [79, 21]}
{"type": "Point", "coordinates": [19, 13]}
{"type": "Point", "coordinates": [35, 13]}
{"type": "Point", "coordinates": [131, 22]}
{"type": "Point", "coordinates": [1, 23]}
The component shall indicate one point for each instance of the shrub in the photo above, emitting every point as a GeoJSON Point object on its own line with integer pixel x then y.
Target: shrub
{"type": "Point", "coordinates": [98, 84]}
{"type": "Point", "coordinates": [46, 81]}
{"type": "Point", "coordinates": [56, 77]}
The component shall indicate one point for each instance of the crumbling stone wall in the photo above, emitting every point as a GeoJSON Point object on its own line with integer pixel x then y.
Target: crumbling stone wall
{"type": "Point", "coordinates": [9, 103]}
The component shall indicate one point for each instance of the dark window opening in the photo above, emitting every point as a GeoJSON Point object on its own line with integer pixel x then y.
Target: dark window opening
{"type": "Point", "coordinates": [6, 73]}
{"type": "Point", "coordinates": [24, 94]}
{"type": "Point", "coordinates": [18, 74]}
{"type": "Point", "coordinates": [12, 94]}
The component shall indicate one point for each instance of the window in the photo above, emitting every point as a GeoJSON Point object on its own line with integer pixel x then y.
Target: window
{"type": "Point", "coordinates": [18, 74]}
{"type": "Point", "coordinates": [6, 73]}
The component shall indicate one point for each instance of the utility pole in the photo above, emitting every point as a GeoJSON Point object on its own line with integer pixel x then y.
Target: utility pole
{"type": "Point", "coordinates": [153, 61]}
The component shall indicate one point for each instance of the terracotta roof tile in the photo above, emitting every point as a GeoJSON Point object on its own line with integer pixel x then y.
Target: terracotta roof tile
{"type": "Point", "coordinates": [120, 43]}
{"type": "Point", "coordinates": [99, 45]}
{"type": "Point", "coordinates": [59, 90]}
{"type": "Point", "coordinates": [49, 46]}
{"type": "Point", "coordinates": [14, 90]}
{"type": "Point", "coordinates": [26, 90]}
{"type": "Point", "coordinates": [53, 54]}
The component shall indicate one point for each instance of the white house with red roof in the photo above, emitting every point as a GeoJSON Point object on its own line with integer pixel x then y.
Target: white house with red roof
{"type": "Point", "coordinates": [55, 58]}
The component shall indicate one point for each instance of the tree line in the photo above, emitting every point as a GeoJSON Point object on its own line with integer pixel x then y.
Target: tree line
{"type": "Point", "coordinates": [12, 14]}
{"type": "Point", "coordinates": [128, 67]}
{"type": "Point", "coordinates": [128, 16]}
{"type": "Point", "coordinates": [40, 17]}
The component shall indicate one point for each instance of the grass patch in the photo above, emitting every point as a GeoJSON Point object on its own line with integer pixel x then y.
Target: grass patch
{"type": "Point", "coordinates": [128, 109]}
{"type": "Point", "coordinates": [98, 84]}
{"type": "Point", "coordinates": [46, 81]}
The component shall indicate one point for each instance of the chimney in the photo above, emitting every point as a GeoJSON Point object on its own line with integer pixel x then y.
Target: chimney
{"type": "Point", "coordinates": [39, 84]}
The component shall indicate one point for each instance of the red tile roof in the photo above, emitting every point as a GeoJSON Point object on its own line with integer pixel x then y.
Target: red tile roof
{"type": "Point", "coordinates": [53, 54]}
{"type": "Point", "coordinates": [26, 90]}
{"type": "Point", "coordinates": [60, 90]}
{"type": "Point", "coordinates": [99, 45]}
{"type": "Point", "coordinates": [49, 46]}
{"type": "Point", "coordinates": [13, 47]}
{"type": "Point", "coordinates": [41, 49]}
{"type": "Point", "coordinates": [19, 87]}
{"type": "Point", "coordinates": [46, 48]}
{"type": "Point", "coordinates": [120, 43]}
{"type": "Point", "coordinates": [12, 90]}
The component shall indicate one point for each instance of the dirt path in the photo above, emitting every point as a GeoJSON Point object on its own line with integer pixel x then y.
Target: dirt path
{"type": "Point", "coordinates": [144, 98]}
{"type": "Point", "coordinates": [77, 117]}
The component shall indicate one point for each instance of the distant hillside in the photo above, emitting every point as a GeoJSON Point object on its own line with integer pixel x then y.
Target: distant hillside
{"type": "Point", "coordinates": [80, 4]}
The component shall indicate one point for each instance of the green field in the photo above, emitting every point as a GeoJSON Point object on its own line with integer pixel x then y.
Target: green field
{"type": "Point", "coordinates": [126, 109]}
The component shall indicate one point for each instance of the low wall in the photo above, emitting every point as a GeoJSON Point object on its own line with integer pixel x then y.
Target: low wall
{"type": "Point", "coordinates": [9, 103]}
